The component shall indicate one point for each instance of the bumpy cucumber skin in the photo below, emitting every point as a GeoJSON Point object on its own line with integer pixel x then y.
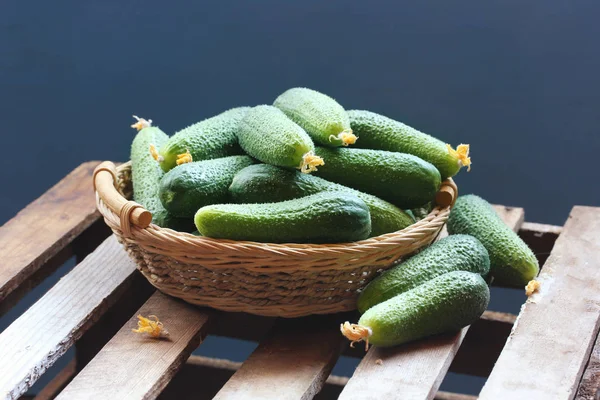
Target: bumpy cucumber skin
{"type": "Point", "coordinates": [214, 137]}
{"type": "Point", "coordinates": [382, 133]}
{"type": "Point", "coordinates": [318, 114]}
{"type": "Point", "coordinates": [185, 189]}
{"type": "Point", "coordinates": [266, 183]}
{"type": "Point", "coordinates": [402, 179]}
{"type": "Point", "coordinates": [268, 135]}
{"type": "Point", "coordinates": [512, 262]}
{"type": "Point", "coordinates": [327, 217]}
{"type": "Point", "coordinates": [444, 304]}
{"type": "Point", "coordinates": [453, 253]}
{"type": "Point", "coordinates": [146, 175]}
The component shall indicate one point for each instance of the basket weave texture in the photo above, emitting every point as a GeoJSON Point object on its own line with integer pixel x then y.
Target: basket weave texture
{"type": "Point", "coordinates": [285, 280]}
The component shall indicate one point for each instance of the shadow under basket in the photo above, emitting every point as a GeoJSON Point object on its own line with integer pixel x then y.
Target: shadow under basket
{"type": "Point", "coordinates": [284, 280]}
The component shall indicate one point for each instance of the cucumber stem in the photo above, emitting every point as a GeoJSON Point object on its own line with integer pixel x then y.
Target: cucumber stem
{"type": "Point", "coordinates": [151, 325]}
{"type": "Point", "coordinates": [356, 333]}
{"type": "Point", "coordinates": [462, 155]}
{"type": "Point", "coordinates": [310, 162]}
{"type": "Point", "coordinates": [184, 158]}
{"type": "Point", "coordinates": [532, 287]}
{"type": "Point", "coordinates": [141, 123]}
{"type": "Point", "coordinates": [347, 137]}
{"type": "Point", "coordinates": [155, 154]}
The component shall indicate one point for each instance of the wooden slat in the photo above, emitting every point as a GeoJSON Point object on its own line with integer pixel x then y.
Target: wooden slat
{"type": "Point", "coordinates": [46, 330]}
{"type": "Point", "coordinates": [554, 333]}
{"type": "Point", "coordinates": [292, 363]}
{"type": "Point", "coordinates": [414, 370]}
{"type": "Point", "coordinates": [133, 366]}
{"type": "Point", "coordinates": [216, 372]}
{"type": "Point", "coordinates": [45, 227]}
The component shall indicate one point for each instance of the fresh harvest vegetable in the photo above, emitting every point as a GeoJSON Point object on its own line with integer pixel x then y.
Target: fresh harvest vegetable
{"type": "Point", "coordinates": [382, 133]}
{"type": "Point", "coordinates": [446, 303]}
{"type": "Point", "coordinates": [262, 183]}
{"type": "Point", "coordinates": [511, 261]}
{"type": "Point", "coordinates": [185, 189]}
{"type": "Point", "coordinates": [211, 138]}
{"type": "Point", "coordinates": [402, 179]}
{"type": "Point", "coordinates": [146, 175]}
{"type": "Point", "coordinates": [453, 253]}
{"type": "Point", "coordinates": [323, 118]}
{"type": "Point", "coordinates": [327, 217]}
{"type": "Point", "coordinates": [268, 135]}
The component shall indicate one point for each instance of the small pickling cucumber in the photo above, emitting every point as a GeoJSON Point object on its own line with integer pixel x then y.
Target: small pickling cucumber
{"type": "Point", "coordinates": [453, 253]}
{"type": "Point", "coordinates": [446, 303]}
{"type": "Point", "coordinates": [511, 261]}
{"type": "Point", "coordinates": [146, 175]}
{"type": "Point", "coordinates": [185, 189]}
{"type": "Point", "coordinates": [264, 183]}
{"type": "Point", "coordinates": [402, 179]}
{"type": "Point", "coordinates": [268, 135]}
{"type": "Point", "coordinates": [327, 217]}
{"type": "Point", "coordinates": [323, 118]}
{"type": "Point", "coordinates": [211, 138]}
{"type": "Point", "coordinates": [383, 133]}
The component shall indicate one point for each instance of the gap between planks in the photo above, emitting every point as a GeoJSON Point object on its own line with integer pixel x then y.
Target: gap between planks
{"type": "Point", "coordinates": [414, 370]}
{"type": "Point", "coordinates": [546, 340]}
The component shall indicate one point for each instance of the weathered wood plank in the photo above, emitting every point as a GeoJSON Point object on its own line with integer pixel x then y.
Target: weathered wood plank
{"type": "Point", "coordinates": [133, 366]}
{"type": "Point", "coordinates": [414, 370]}
{"type": "Point", "coordinates": [557, 326]}
{"type": "Point", "coordinates": [293, 362]}
{"type": "Point", "coordinates": [215, 372]}
{"type": "Point", "coordinates": [45, 227]}
{"type": "Point", "coordinates": [46, 330]}
{"type": "Point", "coordinates": [483, 344]}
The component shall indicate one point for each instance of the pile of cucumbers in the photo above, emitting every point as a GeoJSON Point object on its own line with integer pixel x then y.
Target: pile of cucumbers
{"type": "Point", "coordinates": [305, 170]}
{"type": "Point", "coordinates": [443, 288]}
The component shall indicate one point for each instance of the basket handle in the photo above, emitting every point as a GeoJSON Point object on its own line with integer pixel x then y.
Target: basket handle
{"type": "Point", "coordinates": [105, 183]}
{"type": "Point", "coordinates": [447, 194]}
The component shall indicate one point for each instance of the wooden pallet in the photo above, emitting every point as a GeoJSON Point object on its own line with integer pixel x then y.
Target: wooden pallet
{"type": "Point", "coordinates": [548, 352]}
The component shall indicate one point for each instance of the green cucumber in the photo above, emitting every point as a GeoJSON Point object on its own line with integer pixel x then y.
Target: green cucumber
{"type": "Point", "coordinates": [402, 179]}
{"type": "Point", "coordinates": [446, 303]}
{"type": "Point", "coordinates": [185, 189]}
{"type": "Point", "coordinates": [264, 183]}
{"type": "Point", "coordinates": [211, 138]}
{"type": "Point", "coordinates": [323, 118]}
{"type": "Point", "coordinates": [327, 217]}
{"type": "Point", "coordinates": [511, 261]}
{"type": "Point", "coordinates": [268, 135]}
{"type": "Point", "coordinates": [383, 133]}
{"type": "Point", "coordinates": [146, 175]}
{"type": "Point", "coordinates": [453, 253]}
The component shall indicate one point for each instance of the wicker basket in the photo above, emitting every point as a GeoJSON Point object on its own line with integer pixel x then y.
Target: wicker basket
{"type": "Point", "coordinates": [285, 280]}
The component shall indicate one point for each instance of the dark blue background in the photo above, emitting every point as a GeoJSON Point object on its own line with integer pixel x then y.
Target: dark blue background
{"type": "Point", "coordinates": [517, 80]}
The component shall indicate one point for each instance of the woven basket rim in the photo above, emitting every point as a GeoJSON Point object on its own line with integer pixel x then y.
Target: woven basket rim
{"type": "Point", "coordinates": [172, 235]}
